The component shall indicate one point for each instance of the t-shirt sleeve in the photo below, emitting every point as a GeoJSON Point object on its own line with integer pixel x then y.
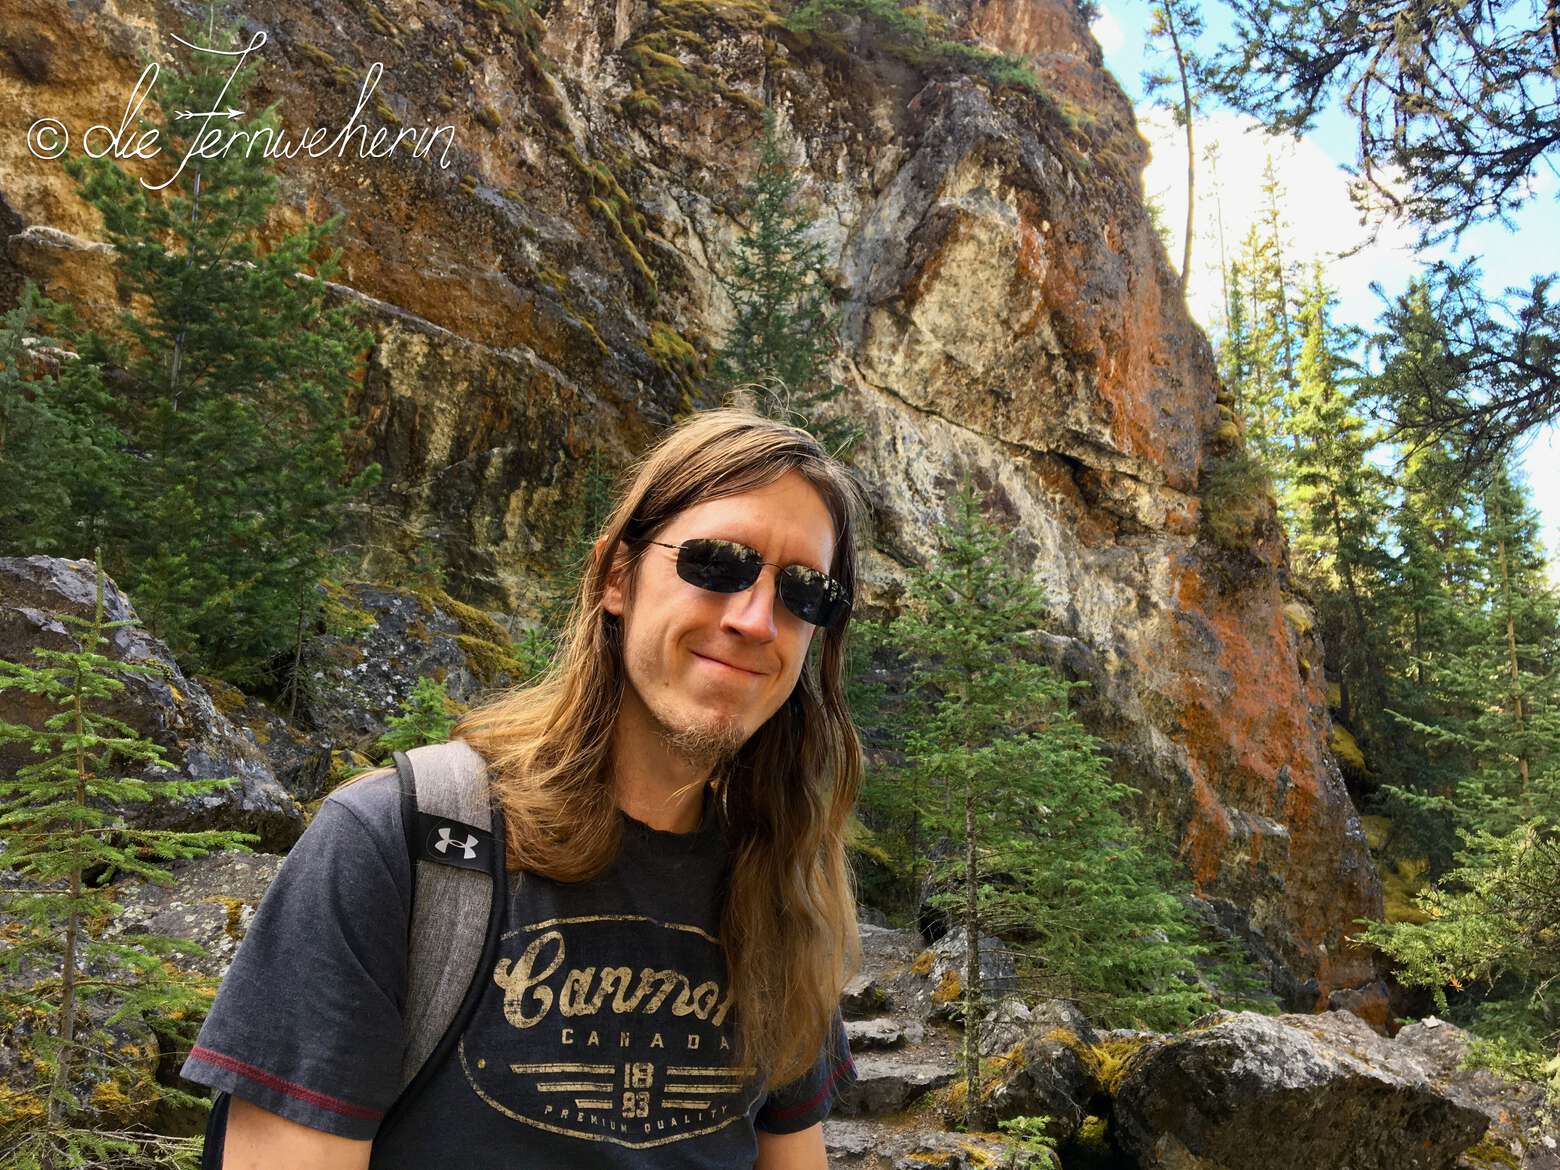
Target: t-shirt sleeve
{"type": "Point", "coordinates": [307, 1022]}
{"type": "Point", "coordinates": [807, 1100]}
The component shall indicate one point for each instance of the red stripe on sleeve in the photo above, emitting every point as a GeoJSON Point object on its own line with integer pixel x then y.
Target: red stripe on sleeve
{"type": "Point", "coordinates": [808, 1106]}
{"type": "Point", "coordinates": [270, 1081]}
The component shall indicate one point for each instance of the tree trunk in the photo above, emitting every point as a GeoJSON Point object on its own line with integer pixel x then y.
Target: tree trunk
{"type": "Point", "coordinates": [971, 958]}
{"type": "Point", "coordinates": [1191, 168]}
{"type": "Point", "coordinates": [1516, 676]}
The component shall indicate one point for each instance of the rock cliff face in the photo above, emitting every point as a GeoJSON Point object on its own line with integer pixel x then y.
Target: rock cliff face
{"type": "Point", "coordinates": [1007, 311]}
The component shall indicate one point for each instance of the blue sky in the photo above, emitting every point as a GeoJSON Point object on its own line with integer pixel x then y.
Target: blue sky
{"type": "Point", "coordinates": [1321, 220]}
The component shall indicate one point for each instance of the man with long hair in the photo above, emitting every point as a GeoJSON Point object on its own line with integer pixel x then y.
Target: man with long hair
{"type": "Point", "coordinates": [679, 917]}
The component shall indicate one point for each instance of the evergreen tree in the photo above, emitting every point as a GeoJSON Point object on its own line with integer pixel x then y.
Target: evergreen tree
{"type": "Point", "coordinates": [1449, 599]}
{"type": "Point", "coordinates": [539, 643]}
{"type": "Point", "coordinates": [427, 715]}
{"type": "Point", "coordinates": [1174, 26]}
{"type": "Point", "coordinates": [1257, 359]}
{"type": "Point", "coordinates": [1277, 297]}
{"type": "Point", "coordinates": [1336, 497]}
{"type": "Point", "coordinates": [1015, 779]}
{"type": "Point", "coordinates": [61, 456]}
{"type": "Point", "coordinates": [59, 843]}
{"type": "Point", "coordinates": [230, 378]}
{"type": "Point", "coordinates": [783, 334]}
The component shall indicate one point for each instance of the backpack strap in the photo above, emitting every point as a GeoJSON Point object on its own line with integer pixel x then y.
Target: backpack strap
{"type": "Point", "coordinates": [454, 836]}
{"type": "Point", "coordinates": [455, 840]}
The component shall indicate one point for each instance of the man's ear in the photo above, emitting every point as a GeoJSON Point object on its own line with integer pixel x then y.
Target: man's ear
{"type": "Point", "coordinates": [612, 591]}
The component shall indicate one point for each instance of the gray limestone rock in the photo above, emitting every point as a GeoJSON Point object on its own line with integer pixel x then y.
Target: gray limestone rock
{"type": "Point", "coordinates": [167, 707]}
{"type": "Point", "coordinates": [869, 1035]}
{"type": "Point", "coordinates": [1520, 1123]}
{"type": "Point", "coordinates": [888, 1082]}
{"type": "Point", "coordinates": [210, 902]}
{"type": "Point", "coordinates": [1253, 1092]}
{"type": "Point", "coordinates": [1047, 1073]}
{"type": "Point", "coordinates": [352, 683]}
{"type": "Point", "coordinates": [998, 975]}
{"type": "Point", "coordinates": [864, 997]}
{"type": "Point", "coordinates": [1004, 1026]}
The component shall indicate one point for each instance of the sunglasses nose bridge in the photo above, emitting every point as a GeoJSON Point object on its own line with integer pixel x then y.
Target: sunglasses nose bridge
{"type": "Point", "coordinates": [750, 610]}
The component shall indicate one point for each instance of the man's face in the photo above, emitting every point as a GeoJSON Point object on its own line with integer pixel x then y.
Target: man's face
{"type": "Point", "coordinates": [705, 670]}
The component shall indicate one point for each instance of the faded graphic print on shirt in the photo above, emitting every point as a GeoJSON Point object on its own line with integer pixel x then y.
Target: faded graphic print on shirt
{"type": "Point", "coordinates": [598, 1048]}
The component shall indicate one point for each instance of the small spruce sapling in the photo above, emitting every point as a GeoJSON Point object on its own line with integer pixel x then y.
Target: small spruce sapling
{"type": "Point", "coordinates": [61, 843]}
{"type": "Point", "coordinates": [426, 717]}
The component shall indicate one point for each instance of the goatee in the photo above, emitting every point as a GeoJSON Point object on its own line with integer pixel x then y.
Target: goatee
{"type": "Point", "coordinates": [706, 746]}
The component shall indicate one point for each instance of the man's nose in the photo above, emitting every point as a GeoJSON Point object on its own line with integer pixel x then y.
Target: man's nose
{"type": "Point", "coordinates": [751, 613]}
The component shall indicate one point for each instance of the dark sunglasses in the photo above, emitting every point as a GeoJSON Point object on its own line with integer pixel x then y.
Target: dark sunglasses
{"type": "Point", "coordinates": [724, 566]}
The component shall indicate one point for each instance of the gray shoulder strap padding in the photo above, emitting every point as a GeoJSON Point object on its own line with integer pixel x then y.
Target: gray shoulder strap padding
{"type": "Point", "coordinates": [450, 907]}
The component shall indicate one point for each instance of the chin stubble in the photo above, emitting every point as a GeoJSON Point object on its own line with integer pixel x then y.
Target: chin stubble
{"type": "Point", "coordinates": [706, 746]}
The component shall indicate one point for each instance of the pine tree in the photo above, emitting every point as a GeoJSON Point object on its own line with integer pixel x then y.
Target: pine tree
{"type": "Point", "coordinates": [1025, 789]}
{"type": "Point", "coordinates": [1444, 589]}
{"type": "Point", "coordinates": [231, 375]}
{"type": "Point", "coordinates": [1490, 937]}
{"type": "Point", "coordinates": [1256, 350]}
{"type": "Point", "coordinates": [61, 456]}
{"type": "Point", "coordinates": [783, 334]}
{"type": "Point", "coordinates": [1175, 25]}
{"type": "Point", "coordinates": [1335, 498]}
{"type": "Point", "coordinates": [57, 835]}
{"type": "Point", "coordinates": [1275, 228]}
{"type": "Point", "coordinates": [427, 715]}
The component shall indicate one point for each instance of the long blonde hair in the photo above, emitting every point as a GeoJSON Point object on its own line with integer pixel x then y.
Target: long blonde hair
{"type": "Point", "coordinates": [788, 925]}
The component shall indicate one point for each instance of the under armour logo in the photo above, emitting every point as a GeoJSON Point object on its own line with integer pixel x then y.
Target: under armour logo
{"type": "Point", "coordinates": [444, 843]}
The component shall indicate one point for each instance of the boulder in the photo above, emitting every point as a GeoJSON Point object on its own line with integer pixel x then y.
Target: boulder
{"type": "Point", "coordinates": [1251, 1092]}
{"type": "Point", "coordinates": [998, 975]}
{"type": "Point", "coordinates": [210, 902]}
{"type": "Point", "coordinates": [167, 707]}
{"type": "Point", "coordinates": [853, 1142]}
{"type": "Point", "coordinates": [352, 680]}
{"type": "Point", "coordinates": [1372, 1003]}
{"type": "Point", "coordinates": [1052, 1071]}
{"type": "Point", "coordinates": [864, 997]}
{"type": "Point", "coordinates": [1522, 1134]}
{"type": "Point", "coordinates": [883, 1032]}
{"type": "Point", "coordinates": [887, 1082]}
{"type": "Point", "coordinates": [1006, 1025]}
{"type": "Point", "coordinates": [305, 768]}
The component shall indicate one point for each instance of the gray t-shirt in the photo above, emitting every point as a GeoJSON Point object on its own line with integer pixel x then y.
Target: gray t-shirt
{"type": "Point", "coordinates": [602, 1037]}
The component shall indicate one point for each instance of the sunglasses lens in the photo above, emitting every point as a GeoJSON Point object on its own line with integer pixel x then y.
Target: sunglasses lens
{"type": "Point", "coordinates": [718, 565]}
{"type": "Point", "coordinates": [814, 597]}
{"type": "Point", "coordinates": [723, 566]}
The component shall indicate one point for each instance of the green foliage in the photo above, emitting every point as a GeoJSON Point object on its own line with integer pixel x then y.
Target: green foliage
{"type": "Point", "coordinates": [916, 34]}
{"type": "Point", "coordinates": [1455, 110]}
{"type": "Point", "coordinates": [1335, 497]}
{"type": "Point", "coordinates": [1006, 769]}
{"type": "Point", "coordinates": [538, 644]}
{"type": "Point", "coordinates": [214, 471]}
{"type": "Point", "coordinates": [1492, 922]}
{"type": "Point", "coordinates": [1028, 1146]}
{"type": "Point", "coordinates": [1259, 349]}
{"type": "Point", "coordinates": [783, 334]}
{"type": "Point", "coordinates": [62, 967]}
{"type": "Point", "coordinates": [101, 1149]}
{"type": "Point", "coordinates": [1236, 498]}
{"type": "Point", "coordinates": [61, 457]}
{"type": "Point", "coordinates": [426, 716]}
